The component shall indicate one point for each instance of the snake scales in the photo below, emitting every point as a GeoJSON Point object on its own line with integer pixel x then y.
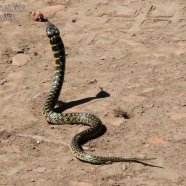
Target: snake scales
{"type": "Point", "coordinates": [52, 117]}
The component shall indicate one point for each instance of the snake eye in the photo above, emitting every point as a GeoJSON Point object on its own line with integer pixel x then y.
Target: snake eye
{"type": "Point", "coordinates": [52, 30]}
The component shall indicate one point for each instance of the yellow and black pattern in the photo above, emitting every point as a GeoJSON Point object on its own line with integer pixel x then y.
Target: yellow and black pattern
{"type": "Point", "coordinates": [94, 123]}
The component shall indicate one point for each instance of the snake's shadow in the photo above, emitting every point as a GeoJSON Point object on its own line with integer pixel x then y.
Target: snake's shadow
{"type": "Point", "coordinates": [62, 106]}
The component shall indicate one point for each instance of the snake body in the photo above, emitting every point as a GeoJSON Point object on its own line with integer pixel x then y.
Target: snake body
{"type": "Point", "coordinates": [52, 117]}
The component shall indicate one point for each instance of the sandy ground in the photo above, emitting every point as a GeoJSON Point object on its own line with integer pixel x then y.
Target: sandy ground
{"type": "Point", "coordinates": [136, 51]}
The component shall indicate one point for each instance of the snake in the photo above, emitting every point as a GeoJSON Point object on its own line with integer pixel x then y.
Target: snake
{"type": "Point", "coordinates": [53, 117]}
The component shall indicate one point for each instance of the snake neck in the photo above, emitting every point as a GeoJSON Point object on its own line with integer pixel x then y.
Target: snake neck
{"type": "Point", "coordinates": [59, 55]}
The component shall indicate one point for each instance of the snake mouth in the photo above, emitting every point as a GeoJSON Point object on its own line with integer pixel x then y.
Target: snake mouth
{"type": "Point", "coordinates": [52, 30]}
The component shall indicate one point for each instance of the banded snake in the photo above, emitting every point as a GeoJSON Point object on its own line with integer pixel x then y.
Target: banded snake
{"type": "Point", "coordinates": [52, 117]}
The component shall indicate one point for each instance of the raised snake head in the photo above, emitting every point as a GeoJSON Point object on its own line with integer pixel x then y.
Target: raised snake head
{"type": "Point", "coordinates": [52, 30]}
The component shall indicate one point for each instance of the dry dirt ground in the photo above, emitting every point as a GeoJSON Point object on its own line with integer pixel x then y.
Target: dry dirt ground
{"type": "Point", "coordinates": [136, 51]}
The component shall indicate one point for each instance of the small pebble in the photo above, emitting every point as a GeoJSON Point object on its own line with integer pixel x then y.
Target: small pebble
{"type": "Point", "coordinates": [36, 54]}
{"type": "Point", "coordinates": [37, 16]}
{"type": "Point", "coordinates": [38, 142]}
{"type": "Point", "coordinates": [74, 20]}
{"type": "Point", "coordinates": [3, 81]}
{"type": "Point", "coordinates": [20, 59]}
{"type": "Point", "coordinates": [124, 167]}
{"type": "Point", "coordinates": [92, 81]}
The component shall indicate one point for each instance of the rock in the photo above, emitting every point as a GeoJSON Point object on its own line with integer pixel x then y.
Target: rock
{"type": "Point", "coordinates": [37, 16]}
{"type": "Point", "coordinates": [118, 112]}
{"type": "Point", "coordinates": [20, 59]}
